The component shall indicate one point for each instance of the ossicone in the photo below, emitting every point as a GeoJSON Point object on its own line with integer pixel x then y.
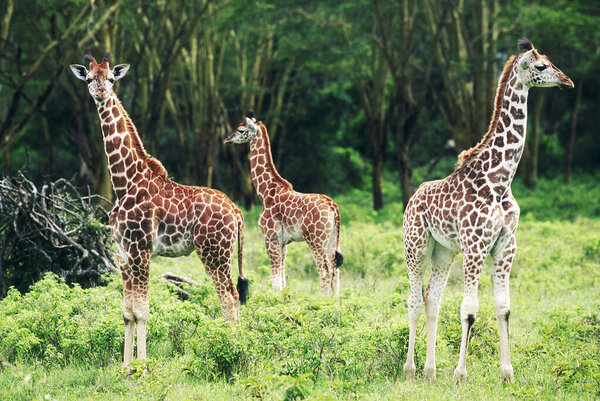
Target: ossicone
{"type": "Point", "coordinates": [107, 56]}
{"type": "Point", "coordinates": [89, 57]}
{"type": "Point", "coordinates": [250, 114]}
{"type": "Point", "coordinates": [525, 45]}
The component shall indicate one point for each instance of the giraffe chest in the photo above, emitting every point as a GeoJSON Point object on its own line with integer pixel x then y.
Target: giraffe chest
{"type": "Point", "coordinates": [291, 231]}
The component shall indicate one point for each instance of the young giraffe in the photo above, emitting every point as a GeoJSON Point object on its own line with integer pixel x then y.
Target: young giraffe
{"type": "Point", "coordinates": [153, 215]}
{"type": "Point", "coordinates": [288, 215]}
{"type": "Point", "coordinates": [473, 211]}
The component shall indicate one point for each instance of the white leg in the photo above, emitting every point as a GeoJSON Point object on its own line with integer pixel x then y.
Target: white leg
{"type": "Point", "coordinates": [502, 264]}
{"type": "Point", "coordinates": [335, 284]}
{"type": "Point", "coordinates": [128, 315]}
{"type": "Point", "coordinates": [141, 318]}
{"type": "Point", "coordinates": [128, 346]}
{"type": "Point", "coordinates": [441, 261]}
{"type": "Point", "coordinates": [472, 264]}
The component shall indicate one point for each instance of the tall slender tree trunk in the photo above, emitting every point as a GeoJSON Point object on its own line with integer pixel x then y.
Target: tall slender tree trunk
{"type": "Point", "coordinates": [406, 175]}
{"type": "Point", "coordinates": [530, 155]}
{"type": "Point", "coordinates": [571, 143]}
{"type": "Point", "coordinates": [377, 139]}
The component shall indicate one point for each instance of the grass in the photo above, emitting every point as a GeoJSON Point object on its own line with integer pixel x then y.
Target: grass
{"type": "Point", "coordinates": [65, 343]}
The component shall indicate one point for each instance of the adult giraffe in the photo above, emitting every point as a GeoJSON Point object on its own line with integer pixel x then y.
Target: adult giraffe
{"type": "Point", "coordinates": [473, 211]}
{"type": "Point", "coordinates": [288, 215]}
{"type": "Point", "coordinates": [153, 215]}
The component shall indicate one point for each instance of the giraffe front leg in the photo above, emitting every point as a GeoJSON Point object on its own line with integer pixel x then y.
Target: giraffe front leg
{"type": "Point", "coordinates": [141, 308]}
{"type": "Point", "coordinates": [277, 252]}
{"type": "Point", "coordinates": [472, 264]}
{"type": "Point", "coordinates": [441, 261]}
{"type": "Point", "coordinates": [502, 264]}
{"type": "Point", "coordinates": [128, 314]}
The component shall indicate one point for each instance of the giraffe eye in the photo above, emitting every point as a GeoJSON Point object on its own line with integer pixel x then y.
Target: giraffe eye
{"type": "Point", "coordinates": [88, 80]}
{"type": "Point", "coordinates": [111, 80]}
{"type": "Point", "coordinates": [541, 67]}
{"type": "Point", "coordinates": [241, 131]}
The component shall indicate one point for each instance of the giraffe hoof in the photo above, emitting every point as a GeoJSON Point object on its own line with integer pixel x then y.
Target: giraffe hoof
{"type": "Point", "coordinates": [429, 373]}
{"type": "Point", "coordinates": [460, 375]}
{"type": "Point", "coordinates": [506, 372]}
{"type": "Point", "coordinates": [409, 372]}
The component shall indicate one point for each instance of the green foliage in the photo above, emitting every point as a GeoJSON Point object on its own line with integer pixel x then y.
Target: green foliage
{"type": "Point", "coordinates": [59, 324]}
{"type": "Point", "coordinates": [67, 341]}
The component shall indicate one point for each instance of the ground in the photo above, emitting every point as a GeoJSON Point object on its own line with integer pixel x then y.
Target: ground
{"type": "Point", "coordinates": [60, 343]}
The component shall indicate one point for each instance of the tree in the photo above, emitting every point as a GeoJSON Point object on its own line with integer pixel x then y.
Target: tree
{"type": "Point", "coordinates": [467, 61]}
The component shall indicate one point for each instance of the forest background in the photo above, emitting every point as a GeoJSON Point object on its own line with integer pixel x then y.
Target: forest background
{"type": "Point", "coordinates": [363, 101]}
{"type": "Point", "coordinates": [352, 93]}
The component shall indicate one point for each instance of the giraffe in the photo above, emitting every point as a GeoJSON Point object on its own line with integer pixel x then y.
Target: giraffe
{"type": "Point", "coordinates": [288, 215]}
{"type": "Point", "coordinates": [153, 215]}
{"type": "Point", "coordinates": [473, 211]}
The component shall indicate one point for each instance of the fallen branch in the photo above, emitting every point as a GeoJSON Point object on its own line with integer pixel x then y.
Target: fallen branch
{"type": "Point", "coordinates": [53, 229]}
{"type": "Point", "coordinates": [175, 280]}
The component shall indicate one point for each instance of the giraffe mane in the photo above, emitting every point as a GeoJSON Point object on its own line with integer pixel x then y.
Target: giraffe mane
{"type": "Point", "coordinates": [155, 165]}
{"type": "Point", "coordinates": [269, 156]}
{"type": "Point", "coordinates": [467, 155]}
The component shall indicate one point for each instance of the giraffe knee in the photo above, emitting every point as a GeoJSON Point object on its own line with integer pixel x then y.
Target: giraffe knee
{"type": "Point", "coordinates": [128, 316]}
{"type": "Point", "coordinates": [469, 306]}
{"type": "Point", "coordinates": [414, 302]}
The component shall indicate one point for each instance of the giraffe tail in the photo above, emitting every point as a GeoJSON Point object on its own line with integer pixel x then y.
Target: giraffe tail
{"type": "Point", "coordinates": [243, 284]}
{"type": "Point", "coordinates": [339, 258]}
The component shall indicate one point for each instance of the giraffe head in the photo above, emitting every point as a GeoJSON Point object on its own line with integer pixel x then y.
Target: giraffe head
{"type": "Point", "coordinates": [246, 131]}
{"type": "Point", "coordinates": [535, 69]}
{"type": "Point", "coordinates": [100, 78]}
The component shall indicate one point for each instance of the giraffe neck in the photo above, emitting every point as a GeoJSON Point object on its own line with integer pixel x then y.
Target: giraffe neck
{"type": "Point", "coordinates": [265, 177]}
{"type": "Point", "coordinates": [497, 156]}
{"type": "Point", "coordinates": [127, 159]}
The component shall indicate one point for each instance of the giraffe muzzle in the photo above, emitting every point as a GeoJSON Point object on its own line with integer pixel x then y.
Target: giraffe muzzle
{"type": "Point", "coordinates": [567, 84]}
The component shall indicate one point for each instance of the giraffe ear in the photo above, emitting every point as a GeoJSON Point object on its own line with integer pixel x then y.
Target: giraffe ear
{"type": "Point", "coordinates": [525, 61]}
{"type": "Point", "coordinates": [250, 125]}
{"type": "Point", "coordinates": [120, 70]}
{"type": "Point", "coordinates": [79, 71]}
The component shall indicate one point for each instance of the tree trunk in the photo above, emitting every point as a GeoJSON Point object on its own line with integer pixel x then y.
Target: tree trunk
{"type": "Point", "coordinates": [530, 154]}
{"type": "Point", "coordinates": [406, 175]}
{"type": "Point", "coordinates": [377, 133]}
{"type": "Point", "coordinates": [571, 143]}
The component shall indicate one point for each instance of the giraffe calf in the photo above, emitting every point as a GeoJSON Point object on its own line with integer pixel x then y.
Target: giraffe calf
{"type": "Point", "coordinates": [288, 215]}
{"type": "Point", "coordinates": [473, 211]}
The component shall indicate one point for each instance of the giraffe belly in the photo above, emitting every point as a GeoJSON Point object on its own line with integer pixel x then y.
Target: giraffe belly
{"type": "Point", "coordinates": [444, 240]}
{"type": "Point", "coordinates": [290, 234]}
{"type": "Point", "coordinates": [173, 245]}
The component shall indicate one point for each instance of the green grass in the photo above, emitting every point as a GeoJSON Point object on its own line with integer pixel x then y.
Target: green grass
{"type": "Point", "coordinates": [61, 343]}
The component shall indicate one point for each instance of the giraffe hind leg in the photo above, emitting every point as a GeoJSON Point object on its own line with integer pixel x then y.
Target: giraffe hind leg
{"type": "Point", "coordinates": [418, 246]}
{"type": "Point", "coordinates": [216, 253]}
{"type": "Point", "coordinates": [502, 260]}
{"type": "Point", "coordinates": [441, 261]}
